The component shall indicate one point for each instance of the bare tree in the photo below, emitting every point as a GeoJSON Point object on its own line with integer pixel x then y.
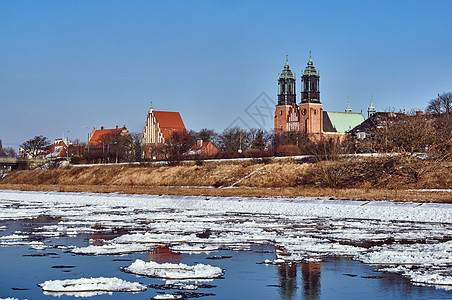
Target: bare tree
{"type": "Point", "coordinates": [2, 152]}
{"type": "Point", "coordinates": [137, 145]}
{"type": "Point", "coordinates": [440, 105]}
{"type": "Point", "coordinates": [257, 138]}
{"type": "Point", "coordinates": [10, 152]}
{"type": "Point", "coordinates": [234, 139]}
{"type": "Point", "coordinates": [35, 146]}
{"type": "Point", "coordinates": [177, 144]}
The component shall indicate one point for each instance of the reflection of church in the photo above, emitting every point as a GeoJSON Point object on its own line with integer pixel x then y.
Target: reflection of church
{"type": "Point", "coordinates": [308, 115]}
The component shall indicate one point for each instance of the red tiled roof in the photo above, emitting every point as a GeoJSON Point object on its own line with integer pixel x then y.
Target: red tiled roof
{"type": "Point", "coordinates": [103, 135]}
{"type": "Point", "coordinates": [207, 148]}
{"type": "Point", "coordinates": [59, 149]}
{"type": "Point", "coordinates": [169, 122]}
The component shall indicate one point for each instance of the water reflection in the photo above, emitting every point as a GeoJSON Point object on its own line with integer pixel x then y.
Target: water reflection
{"type": "Point", "coordinates": [287, 275]}
{"type": "Point", "coordinates": [98, 237]}
{"type": "Point", "coordinates": [311, 273]}
{"type": "Point", "coordinates": [163, 254]}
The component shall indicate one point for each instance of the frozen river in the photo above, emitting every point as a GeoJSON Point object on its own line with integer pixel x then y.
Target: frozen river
{"type": "Point", "coordinates": [139, 246]}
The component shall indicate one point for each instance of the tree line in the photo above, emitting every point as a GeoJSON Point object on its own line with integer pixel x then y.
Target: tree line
{"type": "Point", "coordinates": [404, 132]}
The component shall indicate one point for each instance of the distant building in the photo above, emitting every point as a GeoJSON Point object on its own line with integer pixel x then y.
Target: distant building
{"type": "Point", "coordinates": [101, 138]}
{"type": "Point", "coordinates": [60, 149]}
{"type": "Point", "coordinates": [161, 125]}
{"type": "Point", "coordinates": [375, 120]}
{"type": "Point", "coordinates": [203, 149]}
{"type": "Point", "coordinates": [308, 116]}
{"type": "Point", "coordinates": [160, 128]}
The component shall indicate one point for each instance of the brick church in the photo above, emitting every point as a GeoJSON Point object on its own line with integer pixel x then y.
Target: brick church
{"type": "Point", "coordinates": [308, 115]}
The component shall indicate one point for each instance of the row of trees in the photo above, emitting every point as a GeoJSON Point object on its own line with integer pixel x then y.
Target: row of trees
{"type": "Point", "coordinates": [430, 132]}
{"type": "Point", "coordinates": [7, 152]}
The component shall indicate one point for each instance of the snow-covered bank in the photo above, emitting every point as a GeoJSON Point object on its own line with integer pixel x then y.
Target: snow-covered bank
{"type": "Point", "coordinates": [408, 238]}
{"type": "Point", "coordinates": [315, 207]}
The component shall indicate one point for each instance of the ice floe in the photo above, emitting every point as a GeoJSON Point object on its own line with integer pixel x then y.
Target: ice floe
{"type": "Point", "coordinates": [111, 249]}
{"type": "Point", "coordinates": [174, 271]}
{"type": "Point", "coordinates": [166, 297]}
{"type": "Point", "coordinates": [90, 286]}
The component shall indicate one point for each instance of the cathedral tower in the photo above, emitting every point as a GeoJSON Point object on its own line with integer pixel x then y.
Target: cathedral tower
{"type": "Point", "coordinates": [286, 86]}
{"type": "Point", "coordinates": [311, 112]}
{"type": "Point", "coordinates": [286, 113]}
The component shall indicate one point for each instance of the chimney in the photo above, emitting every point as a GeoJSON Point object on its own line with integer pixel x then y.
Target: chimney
{"type": "Point", "coordinates": [95, 129]}
{"type": "Point", "coordinates": [101, 127]}
{"type": "Point", "coordinates": [419, 113]}
{"type": "Point", "coordinates": [116, 126]}
{"type": "Point", "coordinates": [199, 143]}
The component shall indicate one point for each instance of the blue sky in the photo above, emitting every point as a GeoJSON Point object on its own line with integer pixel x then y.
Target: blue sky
{"type": "Point", "coordinates": [72, 65]}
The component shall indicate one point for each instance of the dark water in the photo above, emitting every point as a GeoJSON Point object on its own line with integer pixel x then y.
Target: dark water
{"type": "Point", "coordinates": [244, 278]}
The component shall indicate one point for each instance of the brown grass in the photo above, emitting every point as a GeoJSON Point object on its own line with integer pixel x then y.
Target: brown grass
{"type": "Point", "coordinates": [383, 178]}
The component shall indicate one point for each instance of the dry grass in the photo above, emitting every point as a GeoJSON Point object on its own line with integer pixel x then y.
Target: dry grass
{"type": "Point", "coordinates": [383, 178]}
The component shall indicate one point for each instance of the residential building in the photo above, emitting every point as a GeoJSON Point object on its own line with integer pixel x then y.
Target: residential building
{"type": "Point", "coordinates": [203, 149]}
{"type": "Point", "coordinates": [60, 148]}
{"type": "Point", "coordinates": [110, 145]}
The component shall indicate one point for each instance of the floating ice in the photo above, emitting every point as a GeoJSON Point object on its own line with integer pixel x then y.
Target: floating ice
{"type": "Point", "coordinates": [100, 284]}
{"type": "Point", "coordinates": [194, 248]}
{"type": "Point", "coordinates": [173, 271]}
{"type": "Point", "coordinates": [14, 237]}
{"type": "Point", "coordinates": [166, 296]}
{"type": "Point", "coordinates": [407, 238]}
{"type": "Point", "coordinates": [111, 249]}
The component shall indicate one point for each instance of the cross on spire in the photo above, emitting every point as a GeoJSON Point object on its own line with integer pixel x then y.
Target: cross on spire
{"type": "Point", "coordinates": [287, 58]}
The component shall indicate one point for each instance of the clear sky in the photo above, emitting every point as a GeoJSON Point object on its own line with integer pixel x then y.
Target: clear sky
{"type": "Point", "coordinates": [72, 65]}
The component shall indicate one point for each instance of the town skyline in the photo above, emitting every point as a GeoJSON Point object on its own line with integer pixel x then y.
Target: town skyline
{"type": "Point", "coordinates": [70, 66]}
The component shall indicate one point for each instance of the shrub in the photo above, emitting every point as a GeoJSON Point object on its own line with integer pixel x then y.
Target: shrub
{"type": "Point", "coordinates": [288, 150]}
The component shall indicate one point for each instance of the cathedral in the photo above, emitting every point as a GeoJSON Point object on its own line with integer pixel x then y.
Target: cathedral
{"type": "Point", "coordinates": [308, 115]}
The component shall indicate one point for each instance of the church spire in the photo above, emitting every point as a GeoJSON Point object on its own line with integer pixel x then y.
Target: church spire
{"type": "Point", "coordinates": [371, 110]}
{"type": "Point", "coordinates": [286, 86]}
{"type": "Point", "coordinates": [310, 92]}
{"type": "Point", "coordinates": [348, 109]}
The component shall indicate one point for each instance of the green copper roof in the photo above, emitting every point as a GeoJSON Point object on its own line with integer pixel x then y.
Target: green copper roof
{"type": "Point", "coordinates": [344, 121]}
{"type": "Point", "coordinates": [310, 69]}
{"type": "Point", "coordinates": [286, 73]}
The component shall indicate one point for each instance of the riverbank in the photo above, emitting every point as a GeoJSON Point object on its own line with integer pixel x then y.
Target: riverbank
{"type": "Point", "coordinates": [368, 178]}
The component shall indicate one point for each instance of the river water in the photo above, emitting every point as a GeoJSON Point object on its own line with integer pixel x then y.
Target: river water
{"type": "Point", "coordinates": [22, 268]}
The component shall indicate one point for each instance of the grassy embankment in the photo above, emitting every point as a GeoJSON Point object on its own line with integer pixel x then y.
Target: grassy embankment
{"type": "Point", "coordinates": [382, 178]}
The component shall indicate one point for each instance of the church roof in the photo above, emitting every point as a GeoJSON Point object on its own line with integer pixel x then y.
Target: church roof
{"type": "Point", "coordinates": [341, 121]}
{"type": "Point", "coordinates": [169, 122]}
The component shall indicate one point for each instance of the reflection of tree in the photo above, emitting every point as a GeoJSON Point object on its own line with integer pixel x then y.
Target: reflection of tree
{"type": "Point", "coordinates": [310, 273]}
{"type": "Point", "coordinates": [287, 280]}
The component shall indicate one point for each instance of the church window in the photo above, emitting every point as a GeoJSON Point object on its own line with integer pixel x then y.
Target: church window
{"type": "Point", "coordinates": [280, 112]}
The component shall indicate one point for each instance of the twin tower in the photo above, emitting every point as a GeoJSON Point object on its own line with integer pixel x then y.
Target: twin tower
{"type": "Point", "coordinates": [307, 116]}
